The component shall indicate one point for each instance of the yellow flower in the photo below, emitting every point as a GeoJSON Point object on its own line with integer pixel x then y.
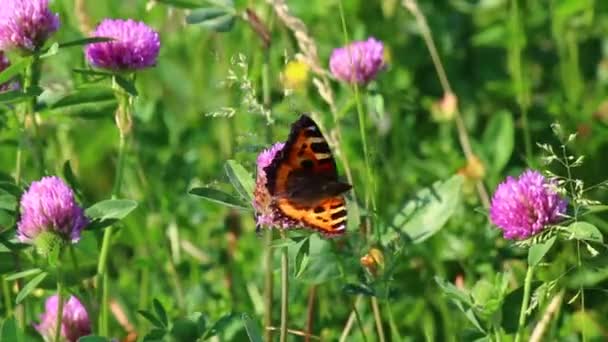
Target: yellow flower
{"type": "Point", "coordinates": [295, 75]}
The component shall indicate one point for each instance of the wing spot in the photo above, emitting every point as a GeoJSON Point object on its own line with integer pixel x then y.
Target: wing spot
{"type": "Point", "coordinates": [339, 214]}
{"type": "Point", "coordinates": [320, 147]}
{"type": "Point", "coordinates": [318, 209]}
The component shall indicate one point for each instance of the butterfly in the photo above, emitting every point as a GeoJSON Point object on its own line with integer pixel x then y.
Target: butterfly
{"type": "Point", "coordinates": [302, 181]}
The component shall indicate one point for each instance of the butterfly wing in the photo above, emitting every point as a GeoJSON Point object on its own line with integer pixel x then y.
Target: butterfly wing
{"type": "Point", "coordinates": [304, 180]}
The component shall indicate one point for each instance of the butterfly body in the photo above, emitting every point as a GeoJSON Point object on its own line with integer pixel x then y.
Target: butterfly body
{"type": "Point", "coordinates": [303, 184]}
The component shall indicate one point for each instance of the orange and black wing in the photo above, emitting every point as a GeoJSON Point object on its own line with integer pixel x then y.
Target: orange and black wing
{"type": "Point", "coordinates": [303, 180]}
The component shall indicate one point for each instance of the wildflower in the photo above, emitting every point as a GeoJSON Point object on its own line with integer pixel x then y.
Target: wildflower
{"type": "Point", "coordinates": [373, 260]}
{"type": "Point", "coordinates": [74, 320]}
{"type": "Point", "coordinates": [50, 217]}
{"type": "Point", "coordinates": [523, 207]}
{"type": "Point", "coordinates": [134, 46]}
{"type": "Point", "coordinates": [266, 215]}
{"type": "Point", "coordinates": [358, 62]}
{"type": "Point", "coordinates": [26, 24]}
{"type": "Point", "coordinates": [295, 75]}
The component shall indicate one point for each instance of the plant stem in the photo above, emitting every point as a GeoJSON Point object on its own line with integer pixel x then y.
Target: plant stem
{"type": "Point", "coordinates": [310, 312]}
{"type": "Point", "coordinates": [361, 116]}
{"type": "Point", "coordinates": [6, 293]}
{"type": "Point", "coordinates": [463, 135]}
{"type": "Point", "coordinates": [59, 306]}
{"type": "Point", "coordinates": [268, 288]}
{"type": "Point", "coordinates": [284, 289]}
{"type": "Point", "coordinates": [524, 304]}
{"type": "Point", "coordinates": [354, 315]}
{"type": "Point", "coordinates": [123, 118]}
{"type": "Point", "coordinates": [30, 81]}
{"type": "Point", "coordinates": [378, 319]}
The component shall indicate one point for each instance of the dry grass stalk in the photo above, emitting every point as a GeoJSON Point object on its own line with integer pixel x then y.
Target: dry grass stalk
{"type": "Point", "coordinates": [463, 136]}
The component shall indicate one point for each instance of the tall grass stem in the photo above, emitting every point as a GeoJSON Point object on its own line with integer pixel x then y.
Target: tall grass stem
{"type": "Point", "coordinates": [524, 304]}
{"type": "Point", "coordinates": [284, 289]}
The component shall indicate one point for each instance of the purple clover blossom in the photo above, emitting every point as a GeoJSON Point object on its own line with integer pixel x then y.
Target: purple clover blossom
{"type": "Point", "coordinates": [266, 214]}
{"type": "Point", "coordinates": [26, 24]}
{"type": "Point", "coordinates": [74, 320]}
{"type": "Point", "coordinates": [523, 207]}
{"type": "Point", "coordinates": [358, 62]}
{"type": "Point", "coordinates": [48, 206]}
{"type": "Point", "coordinates": [134, 46]}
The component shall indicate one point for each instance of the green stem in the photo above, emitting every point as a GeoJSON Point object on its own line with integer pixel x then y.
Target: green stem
{"type": "Point", "coordinates": [268, 285]}
{"type": "Point", "coordinates": [31, 79]}
{"type": "Point", "coordinates": [359, 322]}
{"type": "Point", "coordinates": [284, 289]}
{"type": "Point", "coordinates": [524, 304]}
{"type": "Point", "coordinates": [361, 116]}
{"type": "Point", "coordinates": [59, 307]}
{"type": "Point", "coordinates": [124, 116]}
{"type": "Point", "coordinates": [6, 293]}
{"type": "Point", "coordinates": [378, 319]}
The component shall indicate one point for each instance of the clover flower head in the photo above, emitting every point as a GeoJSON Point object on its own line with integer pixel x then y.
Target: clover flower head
{"type": "Point", "coordinates": [522, 207]}
{"type": "Point", "coordinates": [25, 25]}
{"type": "Point", "coordinates": [134, 46]}
{"type": "Point", "coordinates": [358, 62]}
{"type": "Point", "coordinates": [75, 321]}
{"type": "Point", "coordinates": [50, 214]}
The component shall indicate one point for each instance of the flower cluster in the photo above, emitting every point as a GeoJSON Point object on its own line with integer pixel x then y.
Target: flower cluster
{"type": "Point", "coordinates": [522, 207]}
{"type": "Point", "coordinates": [358, 62]}
{"type": "Point", "coordinates": [26, 24]}
{"type": "Point", "coordinates": [74, 320]}
{"type": "Point", "coordinates": [50, 215]}
{"type": "Point", "coordinates": [134, 46]}
{"type": "Point", "coordinates": [266, 215]}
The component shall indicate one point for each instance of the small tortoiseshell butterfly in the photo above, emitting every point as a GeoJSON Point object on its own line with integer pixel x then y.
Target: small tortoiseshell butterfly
{"type": "Point", "coordinates": [302, 181]}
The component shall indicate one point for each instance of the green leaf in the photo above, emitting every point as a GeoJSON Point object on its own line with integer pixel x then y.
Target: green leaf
{"type": "Point", "coordinates": [51, 51]}
{"type": "Point", "coordinates": [17, 96]}
{"type": "Point", "coordinates": [218, 196]}
{"type": "Point", "coordinates": [160, 312]}
{"type": "Point", "coordinates": [358, 289]}
{"type": "Point", "coordinates": [126, 84]}
{"type": "Point", "coordinates": [220, 325]}
{"type": "Point", "coordinates": [538, 251]}
{"type": "Point", "coordinates": [429, 211]}
{"type": "Point", "coordinates": [151, 318]}
{"type": "Point", "coordinates": [219, 19]}
{"type": "Point", "coordinates": [116, 209]}
{"type": "Point", "coordinates": [93, 338]}
{"type": "Point", "coordinates": [14, 69]}
{"type": "Point", "coordinates": [155, 335]}
{"type": "Point", "coordinates": [84, 95]}
{"type": "Point", "coordinates": [585, 231]}
{"type": "Point", "coordinates": [253, 331]}
{"type": "Point", "coordinates": [84, 41]}
{"type": "Point", "coordinates": [498, 140]}
{"type": "Point", "coordinates": [70, 177]}
{"type": "Point", "coordinates": [24, 274]}
{"type": "Point", "coordinates": [240, 179]}
{"type": "Point", "coordinates": [91, 72]}
{"type": "Point", "coordinates": [453, 292]}
{"type": "Point", "coordinates": [180, 3]}
{"type": "Point", "coordinates": [183, 329]}
{"type": "Point", "coordinates": [93, 110]}
{"type": "Point", "coordinates": [29, 287]}
{"type": "Point", "coordinates": [11, 188]}
{"type": "Point", "coordinates": [10, 330]}
{"type": "Point", "coordinates": [201, 15]}
{"type": "Point", "coordinates": [8, 202]}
